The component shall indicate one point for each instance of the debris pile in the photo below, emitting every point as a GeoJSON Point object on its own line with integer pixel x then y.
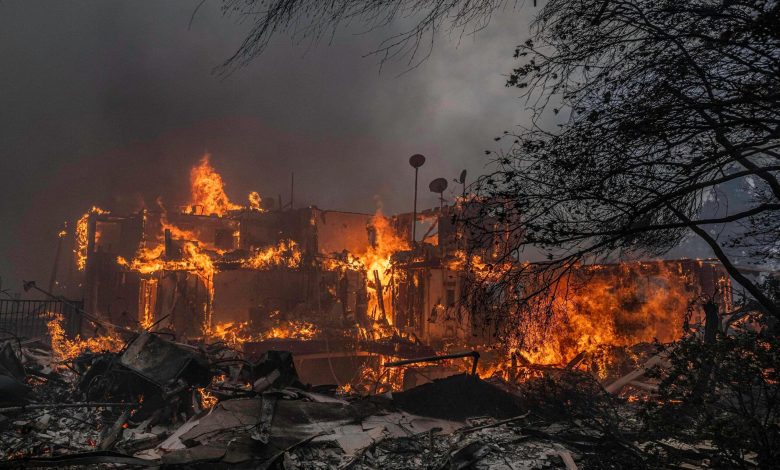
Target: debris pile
{"type": "Point", "coordinates": [161, 402]}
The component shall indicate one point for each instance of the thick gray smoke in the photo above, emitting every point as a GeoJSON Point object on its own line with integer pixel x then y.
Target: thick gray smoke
{"type": "Point", "coordinates": [110, 103]}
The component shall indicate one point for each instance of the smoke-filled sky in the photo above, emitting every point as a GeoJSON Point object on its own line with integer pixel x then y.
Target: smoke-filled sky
{"type": "Point", "coordinates": [111, 103]}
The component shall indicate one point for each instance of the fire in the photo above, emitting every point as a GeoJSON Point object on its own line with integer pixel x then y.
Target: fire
{"type": "Point", "coordinates": [82, 236]}
{"type": "Point", "coordinates": [377, 259]}
{"type": "Point", "coordinates": [194, 260]}
{"type": "Point", "coordinates": [255, 202]}
{"type": "Point", "coordinates": [232, 333]}
{"type": "Point", "coordinates": [294, 330]}
{"type": "Point", "coordinates": [207, 399]}
{"type": "Point", "coordinates": [604, 309]}
{"type": "Point", "coordinates": [475, 265]}
{"type": "Point", "coordinates": [151, 260]}
{"type": "Point", "coordinates": [148, 294]}
{"type": "Point", "coordinates": [373, 378]}
{"type": "Point", "coordinates": [64, 349]}
{"type": "Point", "coordinates": [208, 190]}
{"type": "Point", "coordinates": [286, 253]}
{"type": "Point", "coordinates": [237, 333]}
{"type": "Point", "coordinates": [341, 262]}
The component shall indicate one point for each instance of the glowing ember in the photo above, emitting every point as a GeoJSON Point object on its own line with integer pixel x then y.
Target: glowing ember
{"type": "Point", "coordinates": [293, 329]}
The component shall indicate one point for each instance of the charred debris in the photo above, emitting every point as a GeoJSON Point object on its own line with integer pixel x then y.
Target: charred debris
{"type": "Point", "coordinates": [157, 402]}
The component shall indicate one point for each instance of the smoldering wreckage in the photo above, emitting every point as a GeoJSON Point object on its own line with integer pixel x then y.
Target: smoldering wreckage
{"type": "Point", "coordinates": [268, 336]}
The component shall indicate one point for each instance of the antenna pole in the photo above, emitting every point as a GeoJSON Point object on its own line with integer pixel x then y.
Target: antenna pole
{"type": "Point", "coordinates": [414, 212]}
{"type": "Point", "coordinates": [416, 161]}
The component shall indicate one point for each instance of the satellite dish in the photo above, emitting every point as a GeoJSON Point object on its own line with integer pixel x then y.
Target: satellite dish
{"type": "Point", "coordinates": [462, 177]}
{"type": "Point", "coordinates": [438, 185]}
{"type": "Point", "coordinates": [416, 160]}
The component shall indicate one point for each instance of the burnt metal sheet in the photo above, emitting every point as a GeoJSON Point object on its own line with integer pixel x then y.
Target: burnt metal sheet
{"type": "Point", "coordinates": [156, 359]}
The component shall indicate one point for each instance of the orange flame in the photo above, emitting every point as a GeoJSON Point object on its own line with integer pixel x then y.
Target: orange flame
{"type": "Point", "coordinates": [255, 202]}
{"type": "Point", "coordinates": [286, 253]}
{"type": "Point", "coordinates": [208, 190]}
{"type": "Point", "coordinates": [64, 349]}
{"type": "Point", "coordinates": [623, 306]}
{"type": "Point", "coordinates": [194, 260]}
{"type": "Point", "coordinates": [237, 333]}
{"type": "Point", "coordinates": [82, 236]}
{"type": "Point", "coordinates": [148, 294]}
{"type": "Point", "coordinates": [207, 399]}
{"type": "Point", "coordinates": [378, 259]}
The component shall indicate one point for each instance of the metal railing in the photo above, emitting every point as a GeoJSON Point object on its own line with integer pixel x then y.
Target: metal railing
{"type": "Point", "coordinates": [29, 318]}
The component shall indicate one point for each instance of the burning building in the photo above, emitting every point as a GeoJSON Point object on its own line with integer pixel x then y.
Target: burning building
{"type": "Point", "coordinates": [329, 283]}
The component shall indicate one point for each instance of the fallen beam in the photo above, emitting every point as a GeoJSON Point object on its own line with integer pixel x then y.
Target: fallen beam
{"type": "Point", "coordinates": [618, 385]}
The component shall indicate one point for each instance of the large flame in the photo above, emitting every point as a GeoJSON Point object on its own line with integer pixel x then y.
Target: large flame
{"type": "Point", "coordinates": [623, 306]}
{"type": "Point", "coordinates": [207, 190]}
{"type": "Point", "coordinates": [377, 259]}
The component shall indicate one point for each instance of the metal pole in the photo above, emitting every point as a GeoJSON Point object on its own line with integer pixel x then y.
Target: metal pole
{"type": "Point", "coordinates": [55, 268]}
{"type": "Point", "coordinates": [472, 354]}
{"type": "Point", "coordinates": [292, 189]}
{"type": "Point", "coordinates": [414, 213]}
{"type": "Point", "coordinates": [441, 214]}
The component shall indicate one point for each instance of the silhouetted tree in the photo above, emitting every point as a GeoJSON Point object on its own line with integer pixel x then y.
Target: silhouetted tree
{"type": "Point", "coordinates": [667, 103]}
{"type": "Point", "coordinates": [312, 20]}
